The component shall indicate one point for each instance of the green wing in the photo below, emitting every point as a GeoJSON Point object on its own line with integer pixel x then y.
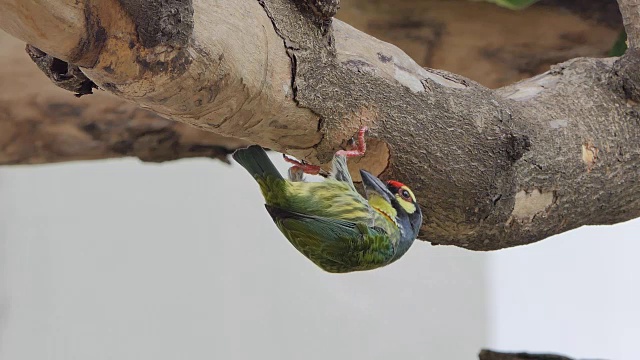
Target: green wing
{"type": "Point", "coordinates": [334, 245]}
{"type": "Point", "coordinates": [340, 171]}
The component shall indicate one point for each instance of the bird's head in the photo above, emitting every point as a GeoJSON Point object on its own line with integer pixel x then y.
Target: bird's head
{"type": "Point", "coordinates": [396, 201]}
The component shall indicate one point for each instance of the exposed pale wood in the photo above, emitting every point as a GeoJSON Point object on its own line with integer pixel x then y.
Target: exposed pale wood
{"type": "Point", "coordinates": [53, 22]}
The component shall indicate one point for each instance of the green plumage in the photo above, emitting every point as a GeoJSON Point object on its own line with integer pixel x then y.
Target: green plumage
{"type": "Point", "coordinates": [329, 222]}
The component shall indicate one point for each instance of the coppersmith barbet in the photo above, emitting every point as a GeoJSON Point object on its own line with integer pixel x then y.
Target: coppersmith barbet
{"type": "Point", "coordinates": [329, 222]}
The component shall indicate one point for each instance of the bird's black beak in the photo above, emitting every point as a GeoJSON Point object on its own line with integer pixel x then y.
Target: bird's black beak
{"type": "Point", "coordinates": [373, 184]}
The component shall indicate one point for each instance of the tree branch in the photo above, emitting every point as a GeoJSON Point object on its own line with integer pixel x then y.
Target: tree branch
{"type": "Point", "coordinates": [494, 355]}
{"type": "Point", "coordinates": [630, 10]}
{"type": "Point", "coordinates": [491, 168]}
{"type": "Point", "coordinates": [40, 123]}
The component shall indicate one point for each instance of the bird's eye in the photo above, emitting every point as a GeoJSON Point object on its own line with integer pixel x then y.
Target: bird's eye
{"type": "Point", "coordinates": [405, 195]}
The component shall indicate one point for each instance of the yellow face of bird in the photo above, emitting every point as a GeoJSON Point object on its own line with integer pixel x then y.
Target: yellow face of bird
{"type": "Point", "coordinates": [396, 202]}
{"type": "Point", "coordinates": [409, 213]}
{"type": "Point", "coordinates": [392, 199]}
{"type": "Point", "coordinates": [404, 195]}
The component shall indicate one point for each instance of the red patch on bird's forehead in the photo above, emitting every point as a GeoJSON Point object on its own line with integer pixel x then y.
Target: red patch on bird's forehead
{"type": "Point", "coordinates": [395, 184]}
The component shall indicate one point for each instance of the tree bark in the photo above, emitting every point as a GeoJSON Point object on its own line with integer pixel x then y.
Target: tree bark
{"type": "Point", "coordinates": [40, 123]}
{"type": "Point", "coordinates": [494, 355]}
{"type": "Point", "coordinates": [491, 168]}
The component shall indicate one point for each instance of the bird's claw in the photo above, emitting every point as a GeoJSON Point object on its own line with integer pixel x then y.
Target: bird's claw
{"type": "Point", "coordinates": [303, 166]}
{"type": "Point", "coordinates": [359, 149]}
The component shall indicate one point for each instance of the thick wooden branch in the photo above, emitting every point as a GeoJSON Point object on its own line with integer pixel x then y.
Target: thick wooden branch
{"type": "Point", "coordinates": [491, 168]}
{"type": "Point", "coordinates": [200, 63]}
{"type": "Point", "coordinates": [40, 123]}
{"type": "Point", "coordinates": [494, 355]}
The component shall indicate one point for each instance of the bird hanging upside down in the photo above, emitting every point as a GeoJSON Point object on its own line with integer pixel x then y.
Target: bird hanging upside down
{"type": "Point", "coordinates": [329, 222]}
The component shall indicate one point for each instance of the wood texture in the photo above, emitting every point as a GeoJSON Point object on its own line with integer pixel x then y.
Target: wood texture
{"type": "Point", "coordinates": [40, 123]}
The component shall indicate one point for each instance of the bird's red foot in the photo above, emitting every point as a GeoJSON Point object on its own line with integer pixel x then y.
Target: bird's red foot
{"type": "Point", "coordinates": [302, 166]}
{"type": "Point", "coordinates": [359, 149]}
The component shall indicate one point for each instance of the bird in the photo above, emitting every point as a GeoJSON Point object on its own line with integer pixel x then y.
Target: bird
{"type": "Point", "coordinates": [329, 222]}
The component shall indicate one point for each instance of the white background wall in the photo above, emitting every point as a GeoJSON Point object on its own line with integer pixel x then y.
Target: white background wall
{"type": "Point", "coordinates": [577, 293]}
{"type": "Point", "coordinates": [123, 260]}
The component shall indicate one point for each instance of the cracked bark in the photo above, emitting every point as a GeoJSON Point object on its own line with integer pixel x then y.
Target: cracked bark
{"type": "Point", "coordinates": [491, 168]}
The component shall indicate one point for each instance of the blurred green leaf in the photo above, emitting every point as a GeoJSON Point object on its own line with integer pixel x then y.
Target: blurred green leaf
{"type": "Point", "coordinates": [513, 4]}
{"type": "Point", "coordinates": [620, 46]}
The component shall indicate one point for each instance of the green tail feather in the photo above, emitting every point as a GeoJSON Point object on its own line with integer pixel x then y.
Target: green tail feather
{"type": "Point", "coordinates": [257, 163]}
